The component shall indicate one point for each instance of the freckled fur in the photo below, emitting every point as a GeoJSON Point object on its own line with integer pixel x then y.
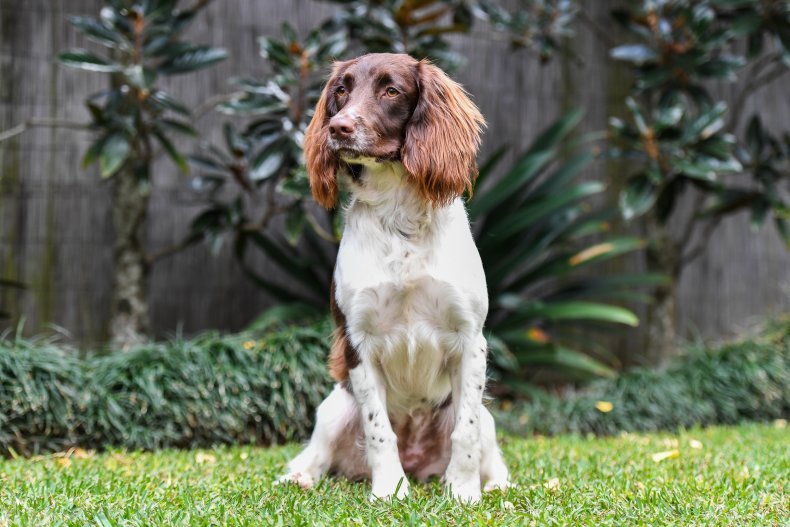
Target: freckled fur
{"type": "Point", "coordinates": [409, 294]}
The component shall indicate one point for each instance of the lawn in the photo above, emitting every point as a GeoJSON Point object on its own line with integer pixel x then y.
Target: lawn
{"type": "Point", "coordinates": [719, 476]}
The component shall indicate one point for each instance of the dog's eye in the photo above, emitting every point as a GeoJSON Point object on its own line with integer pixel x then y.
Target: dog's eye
{"type": "Point", "coordinates": [392, 92]}
{"type": "Point", "coordinates": [340, 91]}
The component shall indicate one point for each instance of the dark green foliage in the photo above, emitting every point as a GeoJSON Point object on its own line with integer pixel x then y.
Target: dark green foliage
{"type": "Point", "coordinates": [259, 386]}
{"type": "Point", "coordinates": [538, 236]}
{"type": "Point", "coordinates": [144, 41]}
{"type": "Point", "coordinates": [746, 381]}
{"type": "Point", "coordinates": [257, 175]}
{"type": "Point", "coordinates": [42, 397]}
{"type": "Point", "coordinates": [681, 136]}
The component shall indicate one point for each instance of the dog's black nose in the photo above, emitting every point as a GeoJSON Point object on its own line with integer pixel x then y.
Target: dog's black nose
{"type": "Point", "coordinates": [341, 127]}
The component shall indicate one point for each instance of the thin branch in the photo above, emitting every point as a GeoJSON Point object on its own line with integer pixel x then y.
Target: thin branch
{"type": "Point", "coordinates": [754, 84]}
{"type": "Point", "coordinates": [212, 102]}
{"type": "Point", "coordinates": [42, 123]}
{"type": "Point", "coordinates": [319, 230]}
{"type": "Point", "coordinates": [597, 29]}
{"type": "Point", "coordinates": [704, 239]}
{"type": "Point", "coordinates": [688, 228]}
{"type": "Point", "coordinates": [170, 251]}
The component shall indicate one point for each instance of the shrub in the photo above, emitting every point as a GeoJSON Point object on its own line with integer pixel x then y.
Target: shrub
{"type": "Point", "coordinates": [258, 386]}
{"type": "Point", "coordinates": [742, 381]}
{"type": "Point", "coordinates": [41, 396]}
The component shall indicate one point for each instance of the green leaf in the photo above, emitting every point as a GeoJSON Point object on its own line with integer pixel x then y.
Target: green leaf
{"type": "Point", "coordinates": [97, 31]}
{"type": "Point", "coordinates": [173, 152]}
{"type": "Point", "coordinates": [164, 100]}
{"type": "Point", "coordinates": [520, 220]}
{"type": "Point", "coordinates": [114, 152]}
{"type": "Point", "coordinates": [268, 161]}
{"type": "Point", "coordinates": [92, 153]}
{"type": "Point", "coordinates": [193, 59]}
{"type": "Point", "coordinates": [573, 310]}
{"type": "Point", "coordinates": [207, 163]}
{"type": "Point", "coordinates": [85, 60]}
{"type": "Point", "coordinates": [294, 224]}
{"type": "Point", "coordinates": [637, 197]}
{"type": "Point", "coordinates": [634, 53]}
{"type": "Point", "coordinates": [182, 127]}
{"type": "Point", "coordinates": [563, 358]}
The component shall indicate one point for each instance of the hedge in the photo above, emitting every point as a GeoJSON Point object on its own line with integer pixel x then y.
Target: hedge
{"type": "Point", "coordinates": [259, 386]}
{"type": "Point", "coordinates": [742, 381]}
{"type": "Point", "coordinates": [263, 385]}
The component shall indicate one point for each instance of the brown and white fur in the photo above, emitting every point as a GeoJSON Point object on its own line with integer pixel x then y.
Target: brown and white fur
{"type": "Point", "coordinates": [409, 293]}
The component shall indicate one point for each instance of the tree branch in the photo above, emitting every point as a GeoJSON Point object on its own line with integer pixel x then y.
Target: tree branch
{"type": "Point", "coordinates": [597, 30]}
{"type": "Point", "coordinates": [154, 257]}
{"type": "Point", "coordinates": [755, 83]}
{"type": "Point", "coordinates": [697, 251]}
{"type": "Point", "coordinates": [42, 123]}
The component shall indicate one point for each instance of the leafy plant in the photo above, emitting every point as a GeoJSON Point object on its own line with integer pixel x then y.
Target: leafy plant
{"type": "Point", "coordinates": [683, 141]}
{"type": "Point", "coordinates": [538, 238]}
{"type": "Point", "coordinates": [741, 381]}
{"type": "Point", "coordinates": [41, 397]}
{"type": "Point", "coordinates": [143, 42]}
{"type": "Point", "coordinates": [540, 25]}
{"type": "Point", "coordinates": [259, 176]}
{"type": "Point", "coordinates": [258, 386]}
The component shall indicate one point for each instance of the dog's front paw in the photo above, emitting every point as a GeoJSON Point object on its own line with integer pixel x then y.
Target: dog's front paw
{"type": "Point", "coordinates": [390, 484]}
{"type": "Point", "coordinates": [466, 490]}
{"type": "Point", "coordinates": [496, 484]}
{"type": "Point", "coordinates": [303, 479]}
{"type": "Point", "coordinates": [463, 482]}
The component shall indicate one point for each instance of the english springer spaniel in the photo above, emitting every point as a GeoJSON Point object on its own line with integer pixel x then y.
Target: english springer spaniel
{"type": "Point", "coordinates": [409, 294]}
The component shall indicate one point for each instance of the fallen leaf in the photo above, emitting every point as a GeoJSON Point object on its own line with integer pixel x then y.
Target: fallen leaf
{"type": "Point", "coordinates": [668, 454]}
{"type": "Point", "coordinates": [604, 406]}
{"type": "Point", "coordinates": [201, 458]}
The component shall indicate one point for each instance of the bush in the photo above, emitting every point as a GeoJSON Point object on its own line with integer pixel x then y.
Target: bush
{"type": "Point", "coordinates": [259, 386]}
{"type": "Point", "coordinates": [742, 381]}
{"type": "Point", "coordinates": [41, 396]}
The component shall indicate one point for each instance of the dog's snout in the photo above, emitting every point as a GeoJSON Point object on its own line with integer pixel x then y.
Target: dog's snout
{"type": "Point", "coordinates": [341, 127]}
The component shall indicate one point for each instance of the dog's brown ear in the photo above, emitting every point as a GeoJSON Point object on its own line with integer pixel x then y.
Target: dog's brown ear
{"type": "Point", "coordinates": [442, 137]}
{"type": "Point", "coordinates": [321, 164]}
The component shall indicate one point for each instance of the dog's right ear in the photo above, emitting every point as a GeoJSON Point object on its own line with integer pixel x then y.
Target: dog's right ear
{"type": "Point", "coordinates": [321, 162]}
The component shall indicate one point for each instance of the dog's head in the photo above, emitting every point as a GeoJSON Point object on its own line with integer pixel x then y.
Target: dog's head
{"type": "Point", "coordinates": [391, 107]}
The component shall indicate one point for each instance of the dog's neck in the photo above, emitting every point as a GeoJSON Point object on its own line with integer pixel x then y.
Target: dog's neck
{"type": "Point", "coordinates": [384, 193]}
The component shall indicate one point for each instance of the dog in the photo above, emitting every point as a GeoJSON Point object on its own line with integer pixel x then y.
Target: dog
{"type": "Point", "coordinates": [409, 295]}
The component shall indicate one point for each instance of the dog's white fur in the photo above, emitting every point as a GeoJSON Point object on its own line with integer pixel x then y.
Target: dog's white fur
{"type": "Point", "coordinates": [411, 285]}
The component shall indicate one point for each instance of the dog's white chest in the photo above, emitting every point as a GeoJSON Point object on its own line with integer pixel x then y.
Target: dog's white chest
{"type": "Point", "coordinates": [412, 294]}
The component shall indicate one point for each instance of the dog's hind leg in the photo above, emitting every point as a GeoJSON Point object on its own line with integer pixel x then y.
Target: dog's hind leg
{"type": "Point", "coordinates": [335, 417]}
{"type": "Point", "coordinates": [493, 472]}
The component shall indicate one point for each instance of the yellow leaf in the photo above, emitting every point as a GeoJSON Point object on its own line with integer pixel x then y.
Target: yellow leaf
{"type": "Point", "coordinates": [248, 345]}
{"type": "Point", "coordinates": [205, 458]}
{"type": "Point", "coordinates": [590, 253]}
{"type": "Point", "coordinates": [667, 454]}
{"type": "Point", "coordinates": [63, 462]}
{"type": "Point", "coordinates": [552, 484]}
{"type": "Point", "coordinates": [538, 335]}
{"type": "Point", "coordinates": [604, 406]}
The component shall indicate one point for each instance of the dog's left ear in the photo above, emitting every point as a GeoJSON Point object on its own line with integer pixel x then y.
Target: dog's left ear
{"type": "Point", "coordinates": [442, 137]}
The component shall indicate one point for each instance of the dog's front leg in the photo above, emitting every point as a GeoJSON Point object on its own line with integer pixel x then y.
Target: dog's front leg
{"type": "Point", "coordinates": [381, 444]}
{"type": "Point", "coordinates": [468, 380]}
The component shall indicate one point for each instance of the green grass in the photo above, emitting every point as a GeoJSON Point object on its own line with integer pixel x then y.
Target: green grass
{"type": "Point", "coordinates": [734, 476]}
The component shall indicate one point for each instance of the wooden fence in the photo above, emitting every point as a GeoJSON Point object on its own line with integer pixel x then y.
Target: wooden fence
{"type": "Point", "coordinates": [55, 228]}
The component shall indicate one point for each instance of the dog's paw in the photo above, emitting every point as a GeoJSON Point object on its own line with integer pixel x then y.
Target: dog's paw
{"type": "Point", "coordinates": [304, 480]}
{"type": "Point", "coordinates": [466, 490]}
{"type": "Point", "coordinates": [494, 484]}
{"type": "Point", "coordinates": [389, 485]}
